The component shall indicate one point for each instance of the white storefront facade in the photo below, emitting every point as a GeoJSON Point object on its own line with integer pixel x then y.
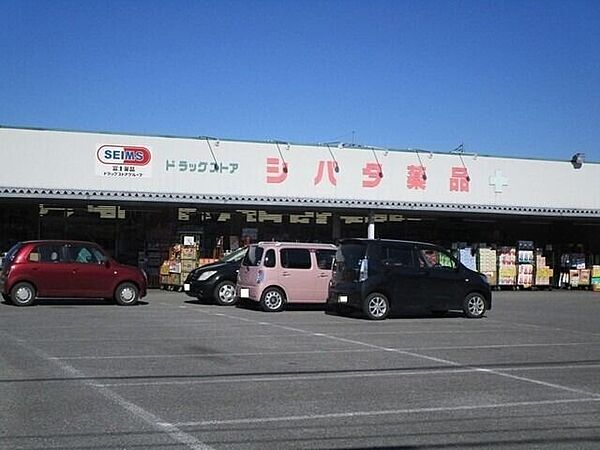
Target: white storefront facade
{"type": "Point", "coordinates": [279, 190]}
{"type": "Point", "coordinates": [86, 166]}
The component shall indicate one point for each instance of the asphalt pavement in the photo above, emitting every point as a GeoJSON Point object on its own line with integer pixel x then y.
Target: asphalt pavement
{"type": "Point", "coordinates": [174, 373]}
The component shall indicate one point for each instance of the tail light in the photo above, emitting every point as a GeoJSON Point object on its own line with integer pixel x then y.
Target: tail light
{"type": "Point", "coordinates": [363, 272]}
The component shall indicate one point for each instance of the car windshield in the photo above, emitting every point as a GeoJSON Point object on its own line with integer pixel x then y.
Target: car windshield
{"type": "Point", "coordinates": [347, 260]}
{"type": "Point", "coordinates": [253, 257]}
{"type": "Point", "coordinates": [10, 255]}
{"type": "Point", "coordinates": [235, 255]}
{"type": "Point", "coordinates": [349, 255]}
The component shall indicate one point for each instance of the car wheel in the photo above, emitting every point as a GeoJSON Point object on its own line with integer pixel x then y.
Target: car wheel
{"type": "Point", "coordinates": [376, 306]}
{"type": "Point", "coordinates": [127, 294]}
{"type": "Point", "coordinates": [23, 294]}
{"type": "Point", "coordinates": [272, 300]}
{"type": "Point", "coordinates": [474, 305]}
{"type": "Point", "coordinates": [225, 293]}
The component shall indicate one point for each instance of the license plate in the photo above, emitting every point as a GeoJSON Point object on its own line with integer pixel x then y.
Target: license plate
{"type": "Point", "coordinates": [244, 292]}
{"type": "Point", "coordinates": [343, 299]}
{"type": "Point", "coordinates": [186, 287]}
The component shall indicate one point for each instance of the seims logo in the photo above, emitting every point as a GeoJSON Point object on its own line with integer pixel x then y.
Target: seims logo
{"type": "Point", "coordinates": [125, 155]}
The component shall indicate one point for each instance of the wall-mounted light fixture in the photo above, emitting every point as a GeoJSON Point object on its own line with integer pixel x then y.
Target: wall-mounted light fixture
{"type": "Point", "coordinates": [216, 142]}
{"type": "Point", "coordinates": [337, 144]}
{"type": "Point", "coordinates": [287, 147]}
{"type": "Point", "coordinates": [378, 163]}
{"type": "Point", "coordinates": [460, 151]}
{"type": "Point", "coordinates": [423, 174]}
{"type": "Point", "coordinates": [577, 160]}
{"type": "Point", "coordinates": [353, 145]}
{"type": "Point", "coordinates": [337, 166]}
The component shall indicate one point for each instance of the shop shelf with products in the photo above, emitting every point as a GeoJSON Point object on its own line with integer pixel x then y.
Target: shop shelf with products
{"type": "Point", "coordinates": [596, 278]}
{"type": "Point", "coordinates": [543, 272]}
{"type": "Point", "coordinates": [182, 260]}
{"type": "Point", "coordinates": [507, 267]}
{"type": "Point", "coordinates": [573, 271]}
{"type": "Point", "coordinates": [525, 260]}
{"type": "Point", "coordinates": [487, 264]}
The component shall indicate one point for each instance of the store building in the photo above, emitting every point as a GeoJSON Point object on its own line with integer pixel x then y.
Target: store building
{"type": "Point", "coordinates": [136, 195]}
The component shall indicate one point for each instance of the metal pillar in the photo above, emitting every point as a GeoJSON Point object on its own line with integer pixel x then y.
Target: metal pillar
{"type": "Point", "coordinates": [371, 226]}
{"type": "Point", "coordinates": [336, 227]}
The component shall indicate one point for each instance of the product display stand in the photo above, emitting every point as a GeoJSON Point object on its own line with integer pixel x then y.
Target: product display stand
{"type": "Point", "coordinates": [487, 264]}
{"type": "Point", "coordinates": [525, 278]}
{"type": "Point", "coordinates": [507, 267]}
{"type": "Point", "coordinates": [543, 273]}
{"type": "Point", "coordinates": [596, 278]}
{"type": "Point", "coordinates": [174, 271]}
{"type": "Point", "coordinates": [574, 274]}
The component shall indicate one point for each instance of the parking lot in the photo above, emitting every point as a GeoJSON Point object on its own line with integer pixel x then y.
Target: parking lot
{"type": "Point", "coordinates": [175, 373]}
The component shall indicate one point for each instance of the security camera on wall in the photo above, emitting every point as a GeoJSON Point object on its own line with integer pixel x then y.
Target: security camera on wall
{"type": "Point", "coordinates": [577, 160]}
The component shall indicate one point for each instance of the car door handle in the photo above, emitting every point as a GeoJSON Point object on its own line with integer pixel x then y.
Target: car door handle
{"type": "Point", "coordinates": [285, 274]}
{"type": "Point", "coordinates": [323, 275]}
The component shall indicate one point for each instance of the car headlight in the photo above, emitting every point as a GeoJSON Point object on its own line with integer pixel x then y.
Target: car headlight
{"type": "Point", "coordinates": [206, 275]}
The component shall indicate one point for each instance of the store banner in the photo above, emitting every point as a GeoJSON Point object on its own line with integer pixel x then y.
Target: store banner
{"type": "Point", "coordinates": [39, 159]}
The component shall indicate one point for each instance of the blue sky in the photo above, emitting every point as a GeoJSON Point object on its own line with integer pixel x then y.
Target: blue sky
{"type": "Point", "coordinates": [511, 78]}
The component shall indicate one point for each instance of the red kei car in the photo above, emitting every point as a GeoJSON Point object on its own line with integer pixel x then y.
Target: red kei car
{"type": "Point", "coordinates": [67, 269]}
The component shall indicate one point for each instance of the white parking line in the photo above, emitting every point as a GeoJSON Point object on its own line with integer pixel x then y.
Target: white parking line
{"type": "Point", "coordinates": [379, 373]}
{"type": "Point", "coordinates": [520, 325]}
{"type": "Point", "coordinates": [213, 423]}
{"type": "Point", "coordinates": [137, 411]}
{"type": "Point", "coordinates": [438, 360]}
{"type": "Point", "coordinates": [224, 354]}
{"type": "Point", "coordinates": [220, 379]}
{"type": "Point", "coordinates": [301, 352]}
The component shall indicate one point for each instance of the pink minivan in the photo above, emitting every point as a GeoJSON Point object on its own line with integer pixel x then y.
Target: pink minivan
{"type": "Point", "coordinates": [276, 273]}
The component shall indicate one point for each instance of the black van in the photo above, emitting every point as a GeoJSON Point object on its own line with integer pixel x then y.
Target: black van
{"type": "Point", "coordinates": [378, 276]}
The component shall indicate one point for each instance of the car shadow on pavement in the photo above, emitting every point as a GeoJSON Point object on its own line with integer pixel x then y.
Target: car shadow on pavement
{"type": "Point", "coordinates": [357, 314]}
{"type": "Point", "coordinates": [200, 301]}
{"type": "Point", "coordinates": [255, 306]}
{"type": "Point", "coordinates": [74, 302]}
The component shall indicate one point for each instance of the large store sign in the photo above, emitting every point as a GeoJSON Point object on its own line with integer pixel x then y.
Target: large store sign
{"type": "Point", "coordinates": [372, 175]}
{"type": "Point", "coordinates": [123, 161]}
{"type": "Point", "coordinates": [261, 172]}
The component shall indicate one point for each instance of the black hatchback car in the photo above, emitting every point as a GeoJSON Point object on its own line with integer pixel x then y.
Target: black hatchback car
{"type": "Point", "coordinates": [216, 280]}
{"type": "Point", "coordinates": [378, 276]}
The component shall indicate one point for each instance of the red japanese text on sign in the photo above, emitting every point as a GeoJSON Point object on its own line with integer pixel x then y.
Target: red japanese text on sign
{"type": "Point", "coordinates": [372, 175]}
{"type": "Point", "coordinates": [276, 172]}
{"type": "Point", "coordinates": [331, 165]}
{"type": "Point", "coordinates": [415, 177]}
{"type": "Point", "coordinates": [459, 181]}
